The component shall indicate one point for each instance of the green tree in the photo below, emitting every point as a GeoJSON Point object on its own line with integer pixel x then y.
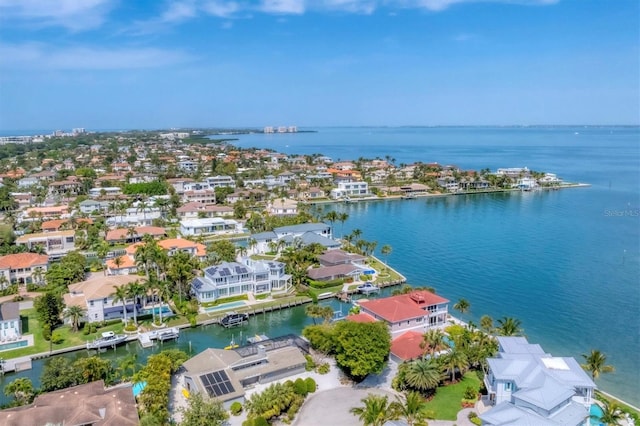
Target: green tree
{"type": "Point", "coordinates": [362, 348]}
{"type": "Point", "coordinates": [321, 337]}
{"type": "Point", "coordinates": [508, 326]}
{"type": "Point", "coordinates": [225, 249]}
{"type": "Point", "coordinates": [135, 290]}
{"type": "Point", "coordinates": [21, 389]}
{"type": "Point", "coordinates": [612, 415]}
{"type": "Point", "coordinates": [93, 368]}
{"type": "Point", "coordinates": [58, 373]}
{"type": "Point", "coordinates": [456, 359]}
{"type": "Point", "coordinates": [180, 271]}
{"type": "Point", "coordinates": [385, 251]}
{"type": "Point", "coordinates": [203, 413]}
{"type": "Point", "coordinates": [120, 295]}
{"type": "Point", "coordinates": [486, 324]}
{"type": "Point", "coordinates": [48, 307]}
{"type": "Point", "coordinates": [596, 363]}
{"type": "Point", "coordinates": [412, 408]}
{"type": "Point", "coordinates": [75, 313]}
{"type": "Point", "coordinates": [462, 306]}
{"type": "Point", "coordinates": [433, 341]}
{"type": "Point", "coordinates": [423, 375]}
{"type": "Point", "coordinates": [376, 411]}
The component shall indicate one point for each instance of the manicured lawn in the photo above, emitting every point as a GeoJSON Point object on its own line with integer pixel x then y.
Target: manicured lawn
{"type": "Point", "coordinates": [447, 401]}
{"type": "Point", "coordinates": [318, 291]}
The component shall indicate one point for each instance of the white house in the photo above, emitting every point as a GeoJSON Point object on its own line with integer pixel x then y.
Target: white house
{"type": "Point", "coordinates": [264, 241]}
{"type": "Point", "coordinates": [95, 295]}
{"type": "Point", "coordinates": [209, 226]}
{"type": "Point", "coordinates": [55, 244]}
{"type": "Point", "coordinates": [10, 324]}
{"type": "Point", "coordinates": [350, 189]}
{"type": "Point", "coordinates": [233, 279]}
{"type": "Point", "coordinates": [107, 191]}
{"type": "Point", "coordinates": [90, 206]}
{"type": "Point", "coordinates": [135, 216]}
{"type": "Point", "coordinates": [527, 386]}
{"type": "Point", "coordinates": [23, 268]}
{"type": "Point", "coordinates": [283, 207]}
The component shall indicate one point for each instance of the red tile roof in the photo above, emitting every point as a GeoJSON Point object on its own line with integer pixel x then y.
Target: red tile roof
{"type": "Point", "coordinates": [402, 307]}
{"type": "Point", "coordinates": [407, 346]}
{"type": "Point", "coordinates": [23, 260]}
{"type": "Point", "coordinates": [360, 318]}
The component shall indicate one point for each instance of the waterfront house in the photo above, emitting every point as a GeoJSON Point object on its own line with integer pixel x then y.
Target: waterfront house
{"type": "Point", "coordinates": [527, 386]}
{"type": "Point", "coordinates": [234, 278]}
{"type": "Point", "coordinates": [23, 268]}
{"type": "Point", "coordinates": [419, 310]}
{"type": "Point", "coordinates": [224, 374]}
{"type": "Point", "coordinates": [350, 189]}
{"type": "Point", "coordinates": [340, 257]}
{"type": "Point", "coordinates": [95, 295]}
{"type": "Point", "coordinates": [329, 273]}
{"type": "Point", "coordinates": [55, 244]}
{"type": "Point", "coordinates": [90, 404]}
{"type": "Point", "coordinates": [268, 241]}
{"type": "Point", "coordinates": [195, 210]}
{"type": "Point", "coordinates": [126, 264]}
{"type": "Point", "coordinates": [10, 324]}
{"type": "Point", "coordinates": [210, 226]}
{"type": "Point", "coordinates": [282, 207]}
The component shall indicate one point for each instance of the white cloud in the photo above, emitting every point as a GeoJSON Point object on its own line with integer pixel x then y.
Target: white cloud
{"type": "Point", "coordinates": [179, 11]}
{"type": "Point", "coordinates": [221, 9]}
{"type": "Point", "coordinates": [75, 15]}
{"type": "Point", "coordinates": [438, 5]}
{"type": "Point", "coordinates": [292, 7]}
{"type": "Point", "coordinates": [353, 6]}
{"type": "Point", "coordinates": [38, 56]}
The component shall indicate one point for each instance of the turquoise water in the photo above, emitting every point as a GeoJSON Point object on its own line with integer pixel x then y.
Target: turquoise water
{"type": "Point", "coordinates": [223, 306]}
{"type": "Point", "coordinates": [13, 345]}
{"type": "Point", "coordinates": [149, 311]}
{"type": "Point", "coordinates": [595, 410]}
{"type": "Point", "coordinates": [563, 262]}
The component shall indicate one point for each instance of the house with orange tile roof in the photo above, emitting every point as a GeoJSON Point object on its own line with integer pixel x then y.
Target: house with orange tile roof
{"type": "Point", "coordinates": [56, 224]}
{"type": "Point", "coordinates": [419, 310]}
{"type": "Point", "coordinates": [126, 264]}
{"type": "Point", "coordinates": [407, 346]}
{"type": "Point", "coordinates": [23, 268]}
{"type": "Point", "coordinates": [132, 235]}
{"type": "Point", "coordinates": [55, 244]}
{"type": "Point", "coordinates": [45, 213]}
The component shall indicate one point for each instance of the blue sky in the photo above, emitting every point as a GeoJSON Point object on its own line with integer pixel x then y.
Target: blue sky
{"type": "Point", "coordinates": [109, 64]}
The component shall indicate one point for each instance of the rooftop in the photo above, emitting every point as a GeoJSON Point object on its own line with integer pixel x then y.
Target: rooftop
{"type": "Point", "coordinates": [23, 260]}
{"type": "Point", "coordinates": [403, 307]}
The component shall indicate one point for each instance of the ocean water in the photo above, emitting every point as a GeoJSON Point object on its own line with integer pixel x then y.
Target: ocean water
{"type": "Point", "coordinates": [566, 263]}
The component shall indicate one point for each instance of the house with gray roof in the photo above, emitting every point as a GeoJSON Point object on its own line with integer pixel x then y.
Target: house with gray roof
{"type": "Point", "coordinates": [234, 278]}
{"type": "Point", "coordinates": [224, 374]}
{"type": "Point", "coordinates": [307, 233]}
{"type": "Point", "coordinates": [10, 324]}
{"type": "Point", "coordinates": [527, 386]}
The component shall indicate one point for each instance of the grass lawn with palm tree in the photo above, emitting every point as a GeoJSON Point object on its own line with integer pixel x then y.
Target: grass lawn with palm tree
{"type": "Point", "coordinates": [447, 401]}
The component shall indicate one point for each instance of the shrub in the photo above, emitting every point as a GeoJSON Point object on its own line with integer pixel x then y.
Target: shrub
{"type": "Point", "coordinates": [46, 332]}
{"type": "Point", "coordinates": [311, 365]}
{"type": "Point", "coordinates": [56, 337]}
{"type": "Point", "coordinates": [236, 408]}
{"type": "Point", "coordinates": [470, 393]}
{"type": "Point", "coordinates": [324, 368]}
{"type": "Point", "coordinates": [473, 418]}
{"type": "Point", "coordinates": [311, 384]}
{"type": "Point", "coordinates": [300, 387]}
{"type": "Point", "coordinates": [260, 421]}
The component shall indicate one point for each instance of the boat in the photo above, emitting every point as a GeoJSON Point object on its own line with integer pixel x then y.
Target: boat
{"type": "Point", "coordinates": [168, 334]}
{"type": "Point", "coordinates": [258, 338]}
{"type": "Point", "coordinates": [232, 344]}
{"type": "Point", "coordinates": [367, 288]}
{"type": "Point", "coordinates": [109, 339]}
{"type": "Point", "coordinates": [232, 319]}
{"type": "Point", "coordinates": [408, 197]}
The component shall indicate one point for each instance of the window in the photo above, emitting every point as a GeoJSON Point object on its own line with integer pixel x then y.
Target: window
{"type": "Point", "coordinates": [91, 303]}
{"type": "Point", "coordinates": [507, 386]}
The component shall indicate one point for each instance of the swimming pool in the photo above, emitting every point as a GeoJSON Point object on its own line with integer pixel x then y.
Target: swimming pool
{"type": "Point", "coordinates": [595, 410]}
{"type": "Point", "coordinates": [223, 306]}
{"type": "Point", "coordinates": [13, 345]}
{"type": "Point", "coordinates": [138, 387]}
{"type": "Point", "coordinates": [166, 311]}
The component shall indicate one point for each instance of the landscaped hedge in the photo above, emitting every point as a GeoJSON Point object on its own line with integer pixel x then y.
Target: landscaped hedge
{"type": "Point", "coordinates": [326, 284]}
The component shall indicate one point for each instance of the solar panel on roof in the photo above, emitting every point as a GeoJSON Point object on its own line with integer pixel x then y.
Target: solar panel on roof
{"type": "Point", "coordinates": [217, 383]}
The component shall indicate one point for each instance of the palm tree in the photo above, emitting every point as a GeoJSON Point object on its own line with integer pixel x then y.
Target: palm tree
{"type": "Point", "coordinates": [462, 306]}
{"type": "Point", "coordinates": [508, 326]}
{"type": "Point", "coordinates": [121, 295]}
{"type": "Point", "coordinates": [74, 312]}
{"type": "Point", "coordinates": [342, 217]}
{"type": "Point", "coordinates": [596, 363]}
{"type": "Point", "coordinates": [134, 291]}
{"type": "Point", "coordinates": [376, 410]}
{"type": "Point", "coordinates": [456, 359]}
{"type": "Point", "coordinates": [611, 414]}
{"type": "Point", "coordinates": [385, 251]}
{"type": "Point", "coordinates": [486, 324]}
{"type": "Point", "coordinates": [21, 389]}
{"type": "Point", "coordinates": [38, 275]}
{"type": "Point", "coordinates": [412, 408]}
{"type": "Point", "coordinates": [423, 375]}
{"type": "Point", "coordinates": [433, 341]}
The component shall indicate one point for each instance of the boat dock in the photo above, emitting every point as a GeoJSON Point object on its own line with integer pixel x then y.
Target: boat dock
{"type": "Point", "coordinates": [146, 339]}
